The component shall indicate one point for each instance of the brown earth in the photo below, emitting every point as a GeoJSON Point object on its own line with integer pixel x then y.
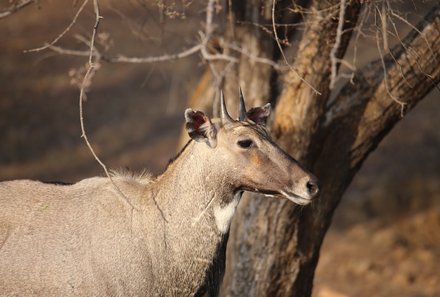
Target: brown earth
{"type": "Point", "coordinates": [385, 237]}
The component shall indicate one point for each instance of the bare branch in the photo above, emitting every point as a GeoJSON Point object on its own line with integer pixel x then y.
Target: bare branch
{"type": "Point", "coordinates": [415, 29]}
{"type": "Point", "coordinates": [411, 52]}
{"type": "Point", "coordinates": [384, 20]}
{"type": "Point", "coordinates": [333, 58]}
{"type": "Point", "coordinates": [138, 32]}
{"type": "Point", "coordinates": [406, 74]}
{"type": "Point", "coordinates": [124, 59]}
{"type": "Point", "coordinates": [209, 16]}
{"type": "Point", "coordinates": [400, 69]}
{"type": "Point", "coordinates": [346, 64]}
{"type": "Point", "coordinates": [218, 78]}
{"type": "Point", "coordinates": [157, 59]}
{"type": "Point", "coordinates": [201, 47]}
{"type": "Point", "coordinates": [87, 42]}
{"type": "Point", "coordinates": [362, 18]}
{"type": "Point", "coordinates": [119, 58]}
{"type": "Point", "coordinates": [95, 29]}
{"type": "Point", "coordinates": [163, 58]}
{"type": "Point", "coordinates": [402, 104]}
{"type": "Point", "coordinates": [15, 7]}
{"type": "Point", "coordinates": [87, 77]}
{"type": "Point", "coordinates": [292, 68]}
{"type": "Point", "coordinates": [257, 59]}
{"type": "Point", "coordinates": [67, 29]}
{"type": "Point", "coordinates": [64, 51]}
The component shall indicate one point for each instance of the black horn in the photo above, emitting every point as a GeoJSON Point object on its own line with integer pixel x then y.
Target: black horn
{"type": "Point", "coordinates": [223, 111]}
{"type": "Point", "coordinates": [242, 107]}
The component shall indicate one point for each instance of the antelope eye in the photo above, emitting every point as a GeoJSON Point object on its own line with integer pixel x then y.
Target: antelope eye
{"type": "Point", "coordinates": [246, 143]}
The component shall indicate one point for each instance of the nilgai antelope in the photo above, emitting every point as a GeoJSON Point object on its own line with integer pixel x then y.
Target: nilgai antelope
{"type": "Point", "coordinates": [149, 236]}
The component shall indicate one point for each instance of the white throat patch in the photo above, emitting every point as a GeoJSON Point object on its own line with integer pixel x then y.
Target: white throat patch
{"type": "Point", "coordinates": [224, 215]}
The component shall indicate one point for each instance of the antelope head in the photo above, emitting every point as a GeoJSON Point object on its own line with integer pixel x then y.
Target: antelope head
{"type": "Point", "coordinates": [253, 161]}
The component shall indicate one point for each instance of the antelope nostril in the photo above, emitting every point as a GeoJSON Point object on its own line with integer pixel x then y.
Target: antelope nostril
{"type": "Point", "coordinates": [312, 187]}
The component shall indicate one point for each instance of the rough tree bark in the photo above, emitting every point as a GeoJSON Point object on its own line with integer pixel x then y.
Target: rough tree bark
{"type": "Point", "coordinates": [273, 245]}
{"type": "Point", "coordinates": [274, 248]}
{"type": "Point", "coordinates": [297, 117]}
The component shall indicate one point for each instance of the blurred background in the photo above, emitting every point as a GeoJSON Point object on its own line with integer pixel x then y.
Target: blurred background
{"type": "Point", "coordinates": [385, 236]}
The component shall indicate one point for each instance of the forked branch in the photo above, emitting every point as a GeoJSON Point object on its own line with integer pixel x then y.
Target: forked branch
{"type": "Point", "coordinates": [411, 65]}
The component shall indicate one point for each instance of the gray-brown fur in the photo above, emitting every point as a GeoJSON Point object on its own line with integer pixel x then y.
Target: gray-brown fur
{"type": "Point", "coordinates": [86, 240]}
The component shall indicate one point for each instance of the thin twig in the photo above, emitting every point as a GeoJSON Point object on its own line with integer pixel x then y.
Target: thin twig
{"type": "Point", "coordinates": [134, 60]}
{"type": "Point", "coordinates": [205, 37]}
{"type": "Point", "coordinates": [67, 29]}
{"type": "Point", "coordinates": [95, 29]}
{"type": "Point", "coordinates": [408, 48]}
{"type": "Point", "coordinates": [90, 70]}
{"type": "Point", "coordinates": [132, 25]}
{"type": "Point", "coordinates": [292, 68]}
{"type": "Point", "coordinates": [255, 58]}
{"type": "Point", "coordinates": [219, 57]}
{"type": "Point", "coordinates": [395, 99]}
{"type": "Point", "coordinates": [14, 8]}
{"type": "Point", "coordinates": [209, 17]}
{"type": "Point", "coordinates": [415, 29]}
{"type": "Point", "coordinates": [400, 69]}
{"type": "Point", "coordinates": [201, 47]}
{"type": "Point", "coordinates": [208, 29]}
{"type": "Point", "coordinates": [124, 59]}
{"type": "Point", "coordinates": [392, 55]}
{"type": "Point", "coordinates": [163, 58]}
{"type": "Point", "coordinates": [84, 40]}
{"type": "Point", "coordinates": [70, 52]}
{"type": "Point", "coordinates": [384, 20]}
{"type": "Point", "coordinates": [333, 52]}
{"type": "Point", "coordinates": [362, 20]}
{"type": "Point", "coordinates": [346, 64]}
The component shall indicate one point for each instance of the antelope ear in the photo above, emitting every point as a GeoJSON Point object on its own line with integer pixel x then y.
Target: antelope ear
{"type": "Point", "coordinates": [200, 127]}
{"type": "Point", "coordinates": [259, 115]}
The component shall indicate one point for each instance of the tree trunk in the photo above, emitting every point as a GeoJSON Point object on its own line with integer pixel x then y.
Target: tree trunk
{"type": "Point", "coordinates": [297, 118]}
{"type": "Point", "coordinates": [273, 245]}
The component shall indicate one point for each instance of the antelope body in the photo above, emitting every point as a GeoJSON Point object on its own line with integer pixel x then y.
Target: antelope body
{"type": "Point", "coordinates": [157, 239]}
